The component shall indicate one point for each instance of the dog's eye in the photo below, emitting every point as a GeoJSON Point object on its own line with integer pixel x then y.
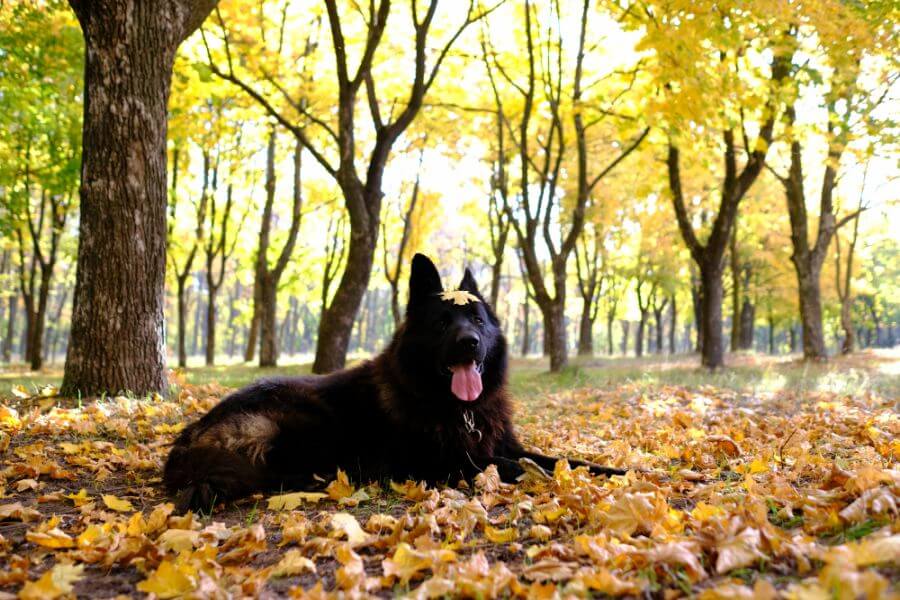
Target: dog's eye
{"type": "Point", "coordinates": [479, 321]}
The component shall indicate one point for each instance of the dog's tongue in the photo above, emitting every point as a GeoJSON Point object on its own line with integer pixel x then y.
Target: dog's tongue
{"type": "Point", "coordinates": [466, 383]}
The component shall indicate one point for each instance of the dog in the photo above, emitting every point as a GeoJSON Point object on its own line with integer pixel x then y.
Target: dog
{"type": "Point", "coordinates": [433, 406]}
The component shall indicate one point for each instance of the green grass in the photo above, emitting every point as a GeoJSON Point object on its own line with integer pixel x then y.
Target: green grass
{"type": "Point", "coordinates": [871, 371]}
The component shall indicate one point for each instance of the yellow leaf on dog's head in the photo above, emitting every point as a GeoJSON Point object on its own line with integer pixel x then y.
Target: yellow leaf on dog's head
{"type": "Point", "coordinates": [459, 297]}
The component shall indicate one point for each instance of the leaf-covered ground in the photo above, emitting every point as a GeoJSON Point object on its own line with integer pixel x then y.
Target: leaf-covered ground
{"type": "Point", "coordinates": [789, 492]}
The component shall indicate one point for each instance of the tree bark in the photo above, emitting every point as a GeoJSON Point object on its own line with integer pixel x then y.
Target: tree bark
{"type": "Point", "coordinates": [526, 328]}
{"type": "Point", "coordinates": [586, 332]}
{"type": "Point", "coordinates": [673, 320]}
{"type": "Point", "coordinates": [625, 328]}
{"type": "Point", "coordinates": [10, 328]}
{"type": "Point", "coordinates": [639, 336]}
{"type": "Point", "coordinates": [747, 318]}
{"type": "Point", "coordinates": [118, 323]}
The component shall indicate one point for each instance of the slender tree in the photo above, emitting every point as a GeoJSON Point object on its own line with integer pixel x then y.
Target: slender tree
{"type": "Point", "coordinates": [537, 212]}
{"type": "Point", "coordinates": [362, 189]}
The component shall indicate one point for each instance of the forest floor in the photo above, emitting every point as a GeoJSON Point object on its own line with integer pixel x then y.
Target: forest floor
{"type": "Point", "coordinates": [770, 478]}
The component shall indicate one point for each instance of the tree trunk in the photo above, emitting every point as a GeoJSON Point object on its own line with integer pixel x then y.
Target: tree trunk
{"type": "Point", "coordinates": [813, 336]}
{"type": "Point", "coordinates": [792, 332]}
{"type": "Point", "coordinates": [848, 344]}
{"type": "Point", "coordinates": [659, 330]}
{"type": "Point", "coordinates": [697, 304]}
{"type": "Point", "coordinates": [10, 328]}
{"type": "Point", "coordinates": [673, 321]}
{"type": "Point", "coordinates": [253, 330]}
{"type": "Point", "coordinates": [182, 320]}
{"type": "Point", "coordinates": [555, 336]}
{"type": "Point", "coordinates": [610, 319]}
{"type": "Point", "coordinates": [211, 292]}
{"type": "Point", "coordinates": [712, 348]}
{"type": "Point", "coordinates": [118, 321]}
{"type": "Point", "coordinates": [772, 334]}
{"type": "Point", "coordinates": [748, 316]}
{"type": "Point", "coordinates": [625, 328]}
{"type": "Point", "coordinates": [268, 338]}
{"type": "Point", "coordinates": [639, 336]}
{"type": "Point", "coordinates": [526, 328]}
{"type": "Point", "coordinates": [586, 332]}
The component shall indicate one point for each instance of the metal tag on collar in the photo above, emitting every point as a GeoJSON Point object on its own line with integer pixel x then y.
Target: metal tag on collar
{"type": "Point", "coordinates": [469, 422]}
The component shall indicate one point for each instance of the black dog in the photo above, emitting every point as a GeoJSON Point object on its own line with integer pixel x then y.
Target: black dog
{"type": "Point", "coordinates": [432, 406]}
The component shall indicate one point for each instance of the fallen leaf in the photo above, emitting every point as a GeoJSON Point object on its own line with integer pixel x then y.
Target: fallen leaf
{"type": "Point", "coordinates": [292, 501]}
{"type": "Point", "coordinates": [54, 583]}
{"type": "Point", "coordinates": [117, 504]}
{"type": "Point", "coordinates": [169, 580]}
{"type": "Point", "coordinates": [349, 526]}
{"type": "Point", "coordinates": [293, 563]}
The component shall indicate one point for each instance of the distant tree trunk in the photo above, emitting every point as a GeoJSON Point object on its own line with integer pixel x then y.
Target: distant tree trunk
{"type": "Point", "coordinates": [392, 272]}
{"type": "Point", "coordinates": [639, 336]}
{"type": "Point", "coordinates": [586, 333]}
{"type": "Point", "coordinates": [268, 347]}
{"type": "Point", "coordinates": [625, 327]}
{"type": "Point", "coordinates": [610, 318]}
{"type": "Point", "coordinates": [792, 332]}
{"type": "Point", "coordinates": [658, 317]}
{"type": "Point", "coordinates": [673, 319]}
{"type": "Point", "coordinates": [199, 321]}
{"type": "Point", "coordinates": [10, 328]}
{"type": "Point", "coordinates": [253, 329]}
{"type": "Point", "coordinates": [697, 302]}
{"type": "Point", "coordinates": [735, 263]}
{"type": "Point", "coordinates": [747, 318]}
{"type": "Point", "coordinates": [118, 319]}
{"type": "Point", "coordinates": [526, 328]}
{"type": "Point", "coordinates": [772, 334]}
{"type": "Point", "coordinates": [844, 283]}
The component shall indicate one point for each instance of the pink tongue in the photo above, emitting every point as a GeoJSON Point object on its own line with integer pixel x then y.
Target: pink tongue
{"type": "Point", "coordinates": [466, 383]}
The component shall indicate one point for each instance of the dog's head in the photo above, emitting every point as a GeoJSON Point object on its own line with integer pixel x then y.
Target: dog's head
{"type": "Point", "coordinates": [452, 339]}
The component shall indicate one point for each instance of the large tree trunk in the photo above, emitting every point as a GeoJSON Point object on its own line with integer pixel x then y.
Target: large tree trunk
{"type": "Point", "coordinates": [118, 322]}
{"type": "Point", "coordinates": [697, 305]}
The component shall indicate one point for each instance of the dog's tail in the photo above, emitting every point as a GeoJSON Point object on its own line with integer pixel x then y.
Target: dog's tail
{"type": "Point", "coordinates": [198, 477]}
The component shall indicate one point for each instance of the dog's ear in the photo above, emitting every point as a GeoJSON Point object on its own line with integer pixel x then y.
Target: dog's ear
{"type": "Point", "coordinates": [424, 280]}
{"type": "Point", "coordinates": [469, 284]}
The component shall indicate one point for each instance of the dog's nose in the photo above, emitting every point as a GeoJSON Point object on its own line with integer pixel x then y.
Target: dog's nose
{"type": "Point", "coordinates": [469, 341]}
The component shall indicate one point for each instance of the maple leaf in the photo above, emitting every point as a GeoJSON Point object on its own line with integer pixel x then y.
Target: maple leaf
{"type": "Point", "coordinates": [17, 512]}
{"type": "Point", "coordinates": [406, 563]}
{"type": "Point", "coordinates": [54, 583]}
{"type": "Point", "coordinates": [170, 580]}
{"type": "Point", "coordinates": [293, 563]}
{"type": "Point", "coordinates": [605, 582]}
{"type": "Point", "coordinates": [340, 488]}
{"type": "Point", "coordinates": [500, 536]}
{"type": "Point", "coordinates": [637, 512]}
{"type": "Point", "coordinates": [80, 498]}
{"type": "Point", "coordinates": [178, 540]}
{"type": "Point", "coordinates": [117, 504]}
{"type": "Point", "coordinates": [350, 527]}
{"type": "Point", "coordinates": [20, 391]}
{"type": "Point", "coordinates": [54, 538]}
{"type": "Point", "coordinates": [739, 551]}
{"type": "Point", "coordinates": [459, 297]}
{"type": "Point", "coordinates": [292, 501]}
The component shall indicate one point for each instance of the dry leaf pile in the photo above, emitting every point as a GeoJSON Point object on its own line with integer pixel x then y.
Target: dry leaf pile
{"type": "Point", "coordinates": [729, 496]}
